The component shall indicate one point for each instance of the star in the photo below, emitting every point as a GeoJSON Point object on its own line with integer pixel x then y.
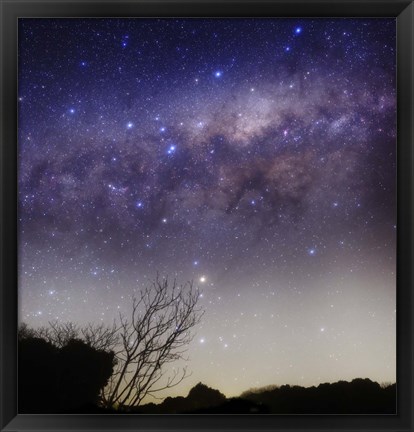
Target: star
{"type": "Point", "coordinates": [171, 149]}
{"type": "Point", "coordinates": [254, 159]}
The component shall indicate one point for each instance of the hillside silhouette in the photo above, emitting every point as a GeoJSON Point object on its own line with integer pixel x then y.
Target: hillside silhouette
{"type": "Point", "coordinates": [199, 397]}
{"type": "Point", "coordinates": [360, 396]}
{"type": "Point", "coordinates": [70, 378]}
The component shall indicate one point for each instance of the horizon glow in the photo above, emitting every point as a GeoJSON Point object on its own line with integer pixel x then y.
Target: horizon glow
{"type": "Point", "coordinates": [256, 157]}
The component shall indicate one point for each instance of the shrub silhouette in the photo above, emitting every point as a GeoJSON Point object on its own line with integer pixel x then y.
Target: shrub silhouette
{"type": "Point", "coordinates": [58, 380]}
{"type": "Point", "coordinates": [361, 396]}
{"type": "Point", "coordinates": [37, 380]}
{"type": "Point", "coordinates": [202, 396]}
{"type": "Point", "coordinates": [234, 406]}
{"type": "Point", "coordinates": [199, 397]}
{"type": "Point", "coordinates": [156, 332]}
{"type": "Point", "coordinates": [83, 372]}
{"type": "Point", "coordinates": [68, 378]}
{"type": "Point", "coordinates": [173, 405]}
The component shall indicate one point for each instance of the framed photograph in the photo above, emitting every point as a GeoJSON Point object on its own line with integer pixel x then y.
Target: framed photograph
{"type": "Point", "coordinates": [207, 215]}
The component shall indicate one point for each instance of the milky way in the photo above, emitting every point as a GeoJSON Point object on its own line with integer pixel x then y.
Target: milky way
{"type": "Point", "coordinates": [253, 156]}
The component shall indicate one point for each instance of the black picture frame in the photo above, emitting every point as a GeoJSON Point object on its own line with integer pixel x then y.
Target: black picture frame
{"type": "Point", "coordinates": [403, 11]}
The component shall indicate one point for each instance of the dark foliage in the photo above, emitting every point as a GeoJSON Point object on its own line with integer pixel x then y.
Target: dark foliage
{"type": "Point", "coordinates": [68, 377]}
{"type": "Point", "coordinates": [361, 396]}
{"type": "Point", "coordinates": [116, 367]}
{"type": "Point", "coordinates": [200, 397]}
{"type": "Point", "coordinates": [235, 406]}
{"type": "Point", "coordinates": [61, 379]}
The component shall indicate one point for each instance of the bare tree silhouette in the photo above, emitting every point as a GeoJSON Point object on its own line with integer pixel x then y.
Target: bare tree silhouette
{"type": "Point", "coordinates": [97, 336]}
{"type": "Point", "coordinates": [157, 333]}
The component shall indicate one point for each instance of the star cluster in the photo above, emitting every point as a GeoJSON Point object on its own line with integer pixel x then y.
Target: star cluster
{"type": "Point", "coordinates": [253, 156]}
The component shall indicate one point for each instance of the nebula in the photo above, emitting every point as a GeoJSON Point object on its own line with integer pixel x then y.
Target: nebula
{"type": "Point", "coordinates": [256, 157]}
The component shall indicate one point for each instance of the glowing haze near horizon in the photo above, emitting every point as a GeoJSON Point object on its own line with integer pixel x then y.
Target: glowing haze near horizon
{"type": "Point", "coordinates": [253, 156]}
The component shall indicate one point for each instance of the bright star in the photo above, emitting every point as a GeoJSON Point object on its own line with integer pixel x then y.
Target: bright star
{"type": "Point", "coordinates": [287, 49]}
{"type": "Point", "coordinates": [171, 149]}
{"type": "Point", "coordinates": [218, 74]}
{"type": "Point", "coordinates": [162, 129]}
{"type": "Point", "coordinates": [312, 252]}
{"type": "Point", "coordinates": [139, 204]}
{"type": "Point", "coordinates": [298, 30]}
{"type": "Point", "coordinates": [202, 340]}
{"type": "Point", "coordinates": [72, 110]}
{"type": "Point", "coordinates": [130, 125]}
{"type": "Point", "coordinates": [202, 279]}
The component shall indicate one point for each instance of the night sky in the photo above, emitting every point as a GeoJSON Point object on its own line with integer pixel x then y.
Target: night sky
{"type": "Point", "coordinates": [256, 157]}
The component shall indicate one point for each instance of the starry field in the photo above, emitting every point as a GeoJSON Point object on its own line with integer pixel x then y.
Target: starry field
{"type": "Point", "coordinates": [256, 157]}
